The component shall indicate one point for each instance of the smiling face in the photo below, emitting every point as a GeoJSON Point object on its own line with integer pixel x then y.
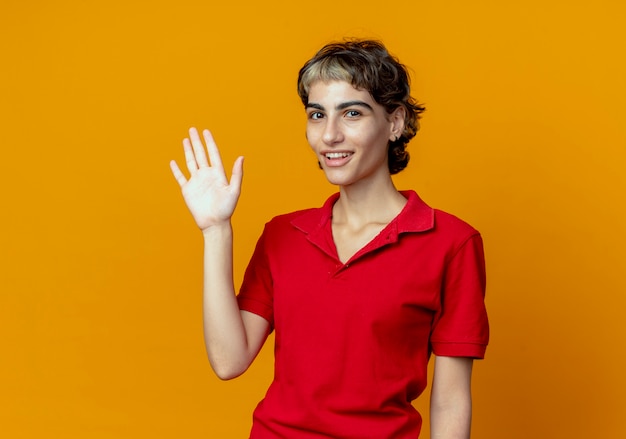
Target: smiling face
{"type": "Point", "coordinates": [349, 132]}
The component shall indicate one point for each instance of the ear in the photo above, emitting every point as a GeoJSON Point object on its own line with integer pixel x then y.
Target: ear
{"type": "Point", "coordinates": [397, 118]}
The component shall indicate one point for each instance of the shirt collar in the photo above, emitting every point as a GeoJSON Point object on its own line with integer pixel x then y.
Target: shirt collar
{"type": "Point", "coordinates": [416, 216]}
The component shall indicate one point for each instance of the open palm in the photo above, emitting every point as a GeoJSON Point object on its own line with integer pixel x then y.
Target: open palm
{"type": "Point", "coordinates": [210, 197]}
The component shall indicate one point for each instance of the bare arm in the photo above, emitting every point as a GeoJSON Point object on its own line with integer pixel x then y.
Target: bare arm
{"type": "Point", "coordinates": [451, 399]}
{"type": "Point", "coordinates": [232, 337]}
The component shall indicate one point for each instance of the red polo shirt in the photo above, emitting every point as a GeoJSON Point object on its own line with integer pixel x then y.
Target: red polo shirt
{"type": "Point", "coordinates": [353, 340]}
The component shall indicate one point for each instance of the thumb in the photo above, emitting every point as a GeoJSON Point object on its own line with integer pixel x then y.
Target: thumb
{"type": "Point", "coordinates": [237, 175]}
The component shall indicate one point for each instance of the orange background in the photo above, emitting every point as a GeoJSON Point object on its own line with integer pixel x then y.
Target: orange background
{"type": "Point", "coordinates": [100, 316]}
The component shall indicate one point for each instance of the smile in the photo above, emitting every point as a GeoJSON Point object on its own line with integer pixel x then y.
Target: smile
{"type": "Point", "coordinates": [337, 155]}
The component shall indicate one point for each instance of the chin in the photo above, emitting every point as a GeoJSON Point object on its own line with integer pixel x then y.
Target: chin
{"type": "Point", "coordinates": [336, 178]}
{"type": "Point", "coordinates": [341, 182]}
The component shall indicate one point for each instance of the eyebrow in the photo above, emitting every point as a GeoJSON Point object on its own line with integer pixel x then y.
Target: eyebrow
{"type": "Point", "coordinates": [341, 106]}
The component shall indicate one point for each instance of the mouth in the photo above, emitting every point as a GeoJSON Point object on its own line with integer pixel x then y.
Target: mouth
{"type": "Point", "coordinates": [337, 155]}
{"type": "Point", "coordinates": [337, 158]}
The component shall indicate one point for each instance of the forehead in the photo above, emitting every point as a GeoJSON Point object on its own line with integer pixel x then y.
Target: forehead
{"type": "Point", "coordinates": [337, 91]}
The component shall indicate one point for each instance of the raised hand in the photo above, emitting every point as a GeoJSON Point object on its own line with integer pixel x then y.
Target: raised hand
{"type": "Point", "coordinates": [210, 197]}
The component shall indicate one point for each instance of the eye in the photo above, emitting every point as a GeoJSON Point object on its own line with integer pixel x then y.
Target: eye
{"type": "Point", "coordinates": [315, 115]}
{"type": "Point", "coordinates": [353, 113]}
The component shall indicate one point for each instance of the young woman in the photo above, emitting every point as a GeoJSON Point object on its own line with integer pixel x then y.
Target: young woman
{"type": "Point", "coordinates": [360, 291]}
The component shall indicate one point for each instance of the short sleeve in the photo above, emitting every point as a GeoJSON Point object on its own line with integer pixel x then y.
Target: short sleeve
{"type": "Point", "coordinates": [461, 327]}
{"type": "Point", "coordinates": [256, 293]}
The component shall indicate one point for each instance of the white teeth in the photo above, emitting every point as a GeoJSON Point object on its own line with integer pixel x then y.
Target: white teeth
{"type": "Point", "coordinates": [336, 155]}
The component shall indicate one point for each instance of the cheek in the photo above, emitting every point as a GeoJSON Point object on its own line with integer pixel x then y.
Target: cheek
{"type": "Point", "coordinates": [311, 136]}
{"type": "Point", "coordinates": [375, 139]}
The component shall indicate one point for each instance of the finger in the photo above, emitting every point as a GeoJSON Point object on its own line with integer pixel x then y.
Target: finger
{"type": "Point", "coordinates": [214, 153]}
{"type": "Point", "coordinates": [237, 175]}
{"type": "Point", "coordinates": [198, 148]}
{"type": "Point", "coordinates": [190, 157]}
{"type": "Point", "coordinates": [178, 175]}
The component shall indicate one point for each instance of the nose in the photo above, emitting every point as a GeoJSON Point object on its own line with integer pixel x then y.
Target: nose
{"type": "Point", "coordinates": [332, 132]}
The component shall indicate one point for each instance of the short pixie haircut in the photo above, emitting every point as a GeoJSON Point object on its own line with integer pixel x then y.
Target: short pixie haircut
{"type": "Point", "coordinates": [367, 65]}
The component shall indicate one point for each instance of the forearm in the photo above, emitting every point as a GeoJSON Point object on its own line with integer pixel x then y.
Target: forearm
{"type": "Point", "coordinates": [224, 331]}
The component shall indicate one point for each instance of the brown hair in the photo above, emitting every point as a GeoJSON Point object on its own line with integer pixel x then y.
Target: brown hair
{"type": "Point", "coordinates": [367, 65]}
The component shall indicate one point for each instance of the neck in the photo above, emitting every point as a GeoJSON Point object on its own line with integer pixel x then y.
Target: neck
{"type": "Point", "coordinates": [361, 204]}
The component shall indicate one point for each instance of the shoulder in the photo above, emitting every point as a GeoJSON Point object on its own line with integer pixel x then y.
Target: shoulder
{"type": "Point", "coordinates": [287, 233]}
{"type": "Point", "coordinates": [419, 217]}
{"type": "Point", "coordinates": [305, 220]}
{"type": "Point", "coordinates": [458, 236]}
{"type": "Point", "coordinates": [289, 227]}
{"type": "Point", "coordinates": [286, 219]}
{"type": "Point", "coordinates": [450, 223]}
